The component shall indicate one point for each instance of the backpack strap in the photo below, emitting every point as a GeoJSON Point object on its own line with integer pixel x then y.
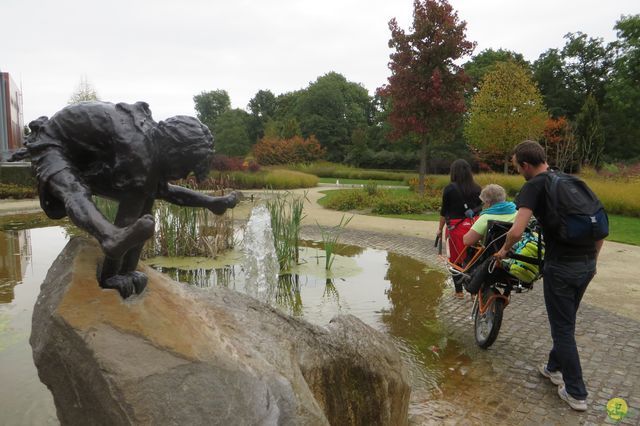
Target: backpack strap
{"type": "Point", "coordinates": [455, 185]}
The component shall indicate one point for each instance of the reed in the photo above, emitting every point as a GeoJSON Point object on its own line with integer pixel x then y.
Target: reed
{"type": "Point", "coordinates": [286, 210]}
{"type": "Point", "coordinates": [187, 231]}
{"type": "Point", "coordinates": [286, 293]}
{"type": "Point", "coordinates": [107, 207]}
{"type": "Point", "coordinates": [330, 238]}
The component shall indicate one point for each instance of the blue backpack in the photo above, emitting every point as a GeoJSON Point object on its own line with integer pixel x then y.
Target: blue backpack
{"type": "Point", "coordinates": [573, 213]}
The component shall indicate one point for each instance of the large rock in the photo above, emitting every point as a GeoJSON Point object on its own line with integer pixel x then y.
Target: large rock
{"type": "Point", "coordinates": [179, 355]}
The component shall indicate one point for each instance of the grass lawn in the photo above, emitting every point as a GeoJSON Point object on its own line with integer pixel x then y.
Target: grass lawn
{"type": "Point", "coordinates": [623, 229]}
{"type": "Point", "coordinates": [362, 181]}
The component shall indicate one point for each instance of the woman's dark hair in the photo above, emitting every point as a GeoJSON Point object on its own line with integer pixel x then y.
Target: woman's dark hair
{"type": "Point", "coordinates": [461, 175]}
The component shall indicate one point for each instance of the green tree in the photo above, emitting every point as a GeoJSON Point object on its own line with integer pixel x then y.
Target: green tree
{"type": "Point", "coordinates": [426, 87]}
{"type": "Point", "coordinates": [589, 133]}
{"type": "Point", "coordinates": [551, 77]}
{"type": "Point", "coordinates": [286, 128]}
{"type": "Point", "coordinates": [263, 108]}
{"type": "Point", "coordinates": [507, 109]}
{"type": "Point", "coordinates": [211, 105]}
{"type": "Point", "coordinates": [232, 134]}
{"type": "Point", "coordinates": [331, 108]}
{"type": "Point", "coordinates": [483, 62]}
{"type": "Point", "coordinates": [84, 92]}
{"type": "Point", "coordinates": [587, 65]}
{"type": "Point", "coordinates": [622, 100]}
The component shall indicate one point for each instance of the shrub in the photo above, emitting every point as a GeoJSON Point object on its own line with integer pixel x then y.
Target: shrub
{"type": "Point", "coordinates": [351, 199]}
{"type": "Point", "coordinates": [222, 163]}
{"type": "Point", "coordinates": [275, 179]}
{"type": "Point", "coordinates": [17, 174]}
{"type": "Point", "coordinates": [400, 204]}
{"type": "Point", "coordinates": [371, 188]}
{"type": "Point", "coordinates": [269, 151]}
{"type": "Point", "coordinates": [340, 171]}
{"type": "Point", "coordinates": [9, 190]}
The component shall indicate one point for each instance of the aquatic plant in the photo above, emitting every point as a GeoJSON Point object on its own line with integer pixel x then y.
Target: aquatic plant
{"type": "Point", "coordinates": [188, 231]}
{"type": "Point", "coordinates": [286, 211]}
{"type": "Point", "coordinates": [330, 238]}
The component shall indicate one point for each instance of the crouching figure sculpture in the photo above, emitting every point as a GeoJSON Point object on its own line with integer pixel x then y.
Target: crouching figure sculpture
{"type": "Point", "coordinates": [119, 152]}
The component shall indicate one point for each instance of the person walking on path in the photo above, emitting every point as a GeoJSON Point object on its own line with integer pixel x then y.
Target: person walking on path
{"type": "Point", "coordinates": [568, 269]}
{"type": "Point", "coordinates": [460, 204]}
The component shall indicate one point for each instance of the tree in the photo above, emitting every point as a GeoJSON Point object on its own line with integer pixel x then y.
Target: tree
{"type": "Point", "coordinates": [587, 65]}
{"type": "Point", "coordinates": [263, 108]}
{"type": "Point", "coordinates": [231, 133]}
{"type": "Point", "coordinates": [84, 92]}
{"type": "Point", "coordinates": [560, 143]}
{"type": "Point", "coordinates": [551, 77]}
{"type": "Point", "coordinates": [282, 129]}
{"type": "Point", "coordinates": [426, 87]}
{"type": "Point", "coordinates": [211, 105]}
{"type": "Point", "coordinates": [507, 110]}
{"type": "Point", "coordinates": [331, 108]}
{"type": "Point", "coordinates": [483, 62]}
{"type": "Point", "coordinates": [622, 100]}
{"type": "Point", "coordinates": [589, 133]}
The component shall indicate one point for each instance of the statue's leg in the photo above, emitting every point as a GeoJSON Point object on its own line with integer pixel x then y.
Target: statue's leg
{"type": "Point", "coordinates": [119, 272]}
{"type": "Point", "coordinates": [115, 240]}
{"type": "Point", "coordinates": [131, 258]}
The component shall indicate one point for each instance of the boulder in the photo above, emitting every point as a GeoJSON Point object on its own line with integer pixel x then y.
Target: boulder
{"type": "Point", "coordinates": [182, 355]}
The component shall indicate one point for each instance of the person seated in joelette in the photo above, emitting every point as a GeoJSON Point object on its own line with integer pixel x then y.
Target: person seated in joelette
{"type": "Point", "coordinates": [494, 207]}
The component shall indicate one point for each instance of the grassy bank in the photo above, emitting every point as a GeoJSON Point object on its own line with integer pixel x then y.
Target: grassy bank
{"type": "Point", "coordinates": [623, 229]}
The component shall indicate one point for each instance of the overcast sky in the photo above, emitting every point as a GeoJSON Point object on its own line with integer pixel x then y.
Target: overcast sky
{"type": "Point", "coordinates": [164, 52]}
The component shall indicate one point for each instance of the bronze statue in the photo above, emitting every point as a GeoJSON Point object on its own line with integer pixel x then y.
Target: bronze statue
{"type": "Point", "coordinates": [118, 151]}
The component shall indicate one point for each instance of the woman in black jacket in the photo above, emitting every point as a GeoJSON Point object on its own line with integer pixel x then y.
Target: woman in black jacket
{"type": "Point", "coordinates": [460, 205]}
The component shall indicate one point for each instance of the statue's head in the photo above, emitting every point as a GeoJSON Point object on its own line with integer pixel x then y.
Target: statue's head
{"type": "Point", "coordinates": [186, 145]}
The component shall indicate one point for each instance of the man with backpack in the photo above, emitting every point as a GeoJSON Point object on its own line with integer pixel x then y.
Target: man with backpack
{"type": "Point", "coordinates": [574, 225]}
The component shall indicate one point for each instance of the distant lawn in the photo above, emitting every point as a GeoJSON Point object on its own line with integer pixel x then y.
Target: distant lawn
{"type": "Point", "coordinates": [362, 181]}
{"type": "Point", "coordinates": [623, 229]}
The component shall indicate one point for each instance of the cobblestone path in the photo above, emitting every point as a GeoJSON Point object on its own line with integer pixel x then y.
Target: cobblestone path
{"type": "Point", "coordinates": [502, 384]}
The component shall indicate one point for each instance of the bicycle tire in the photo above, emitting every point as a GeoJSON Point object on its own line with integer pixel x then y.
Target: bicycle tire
{"type": "Point", "coordinates": [487, 326]}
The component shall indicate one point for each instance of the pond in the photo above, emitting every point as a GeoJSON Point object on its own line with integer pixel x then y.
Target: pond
{"type": "Point", "coordinates": [392, 293]}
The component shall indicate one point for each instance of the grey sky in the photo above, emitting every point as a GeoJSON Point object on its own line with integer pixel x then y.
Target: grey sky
{"type": "Point", "coordinates": [164, 52]}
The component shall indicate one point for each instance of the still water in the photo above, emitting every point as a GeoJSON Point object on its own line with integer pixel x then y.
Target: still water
{"type": "Point", "coordinates": [394, 294]}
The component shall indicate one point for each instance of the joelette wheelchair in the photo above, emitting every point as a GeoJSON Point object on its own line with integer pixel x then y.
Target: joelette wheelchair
{"type": "Point", "coordinates": [493, 281]}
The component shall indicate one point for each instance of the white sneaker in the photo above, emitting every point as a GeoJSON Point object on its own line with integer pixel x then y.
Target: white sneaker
{"type": "Point", "coordinates": [554, 376]}
{"type": "Point", "coordinates": [576, 404]}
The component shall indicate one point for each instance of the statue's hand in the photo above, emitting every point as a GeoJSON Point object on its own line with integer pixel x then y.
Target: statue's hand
{"type": "Point", "coordinates": [221, 204]}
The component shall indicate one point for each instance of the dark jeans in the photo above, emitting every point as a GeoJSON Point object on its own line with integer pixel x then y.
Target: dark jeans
{"type": "Point", "coordinates": [564, 285]}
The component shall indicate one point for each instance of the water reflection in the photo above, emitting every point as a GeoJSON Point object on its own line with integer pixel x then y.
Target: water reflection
{"type": "Point", "coordinates": [412, 318]}
{"type": "Point", "coordinates": [23, 399]}
{"type": "Point", "coordinates": [15, 255]}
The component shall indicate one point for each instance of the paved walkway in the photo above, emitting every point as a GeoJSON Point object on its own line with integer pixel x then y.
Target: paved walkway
{"type": "Point", "coordinates": [503, 385]}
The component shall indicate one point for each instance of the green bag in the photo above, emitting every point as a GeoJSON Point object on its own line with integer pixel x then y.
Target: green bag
{"type": "Point", "coordinates": [527, 246]}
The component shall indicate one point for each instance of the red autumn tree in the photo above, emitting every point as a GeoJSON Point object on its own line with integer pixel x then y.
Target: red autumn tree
{"type": "Point", "coordinates": [270, 150]}
{"type": "Point", "coordinates": [426, 86]}
{"type": "Point", "coordinates": [560, 142]}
